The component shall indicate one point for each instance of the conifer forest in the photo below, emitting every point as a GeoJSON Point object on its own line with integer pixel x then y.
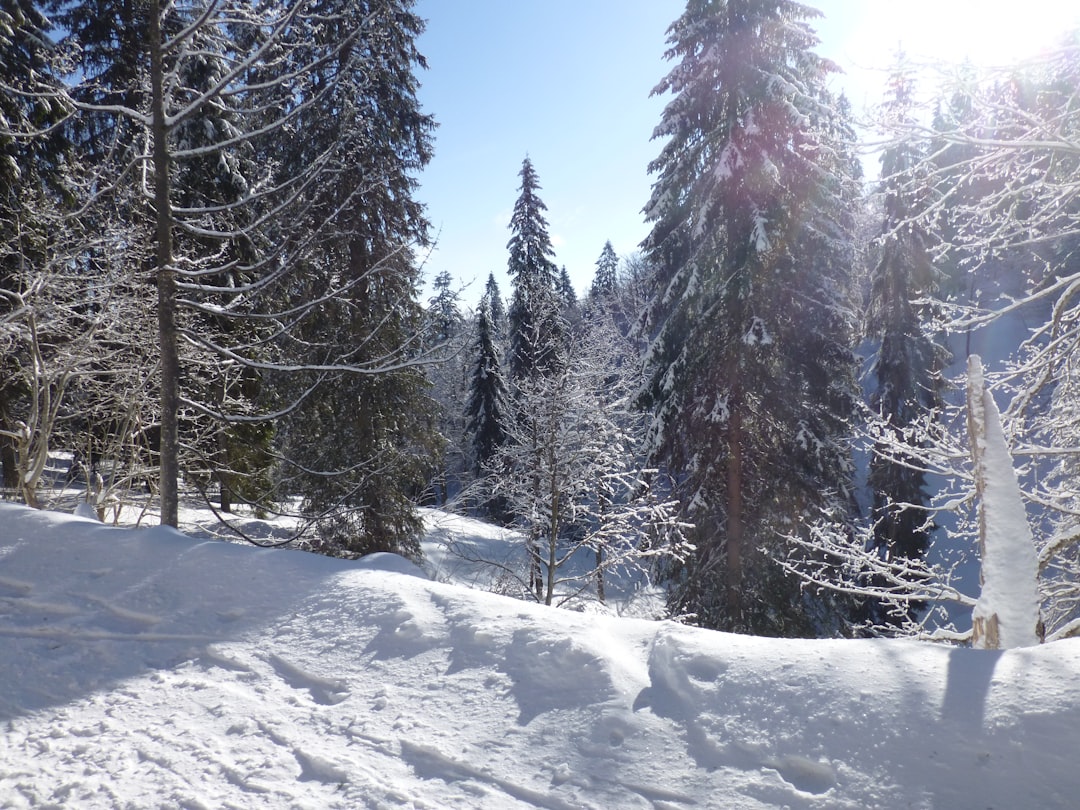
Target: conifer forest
{"type": "Point", "coordinates": [833, 391]}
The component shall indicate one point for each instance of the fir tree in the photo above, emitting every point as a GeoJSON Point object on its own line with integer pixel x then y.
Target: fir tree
{"type": "Point", "coordinates": [447, 337]}
{"type": "Point", "coordinates": [374, 434]}
{"type": "Point", "coordinates": [565, 288]}
{"type": "Point", "coordinates": [443, 314]}
{"type": "Point", "coordinates": [749, 207]}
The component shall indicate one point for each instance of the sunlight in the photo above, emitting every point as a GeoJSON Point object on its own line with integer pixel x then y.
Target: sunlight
{"type": "Point", "coordinates": [985, 32]}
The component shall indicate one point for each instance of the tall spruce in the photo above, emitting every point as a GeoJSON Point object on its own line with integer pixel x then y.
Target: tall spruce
{"type": "Point", "coordinates": [366, 442]}
{"type": "Point", "coordinates": [447, 335]}
{"type": "Point", "coordinates": [751, 235]}
{"type": "Point", "coordinates": [267, 155]}
{"type": "Point", "coordinates": [908, 362]}
{"type": "Point", "coordinates": [534, 308]}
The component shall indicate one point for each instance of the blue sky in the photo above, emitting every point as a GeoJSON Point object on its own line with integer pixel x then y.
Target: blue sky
{"type": "Point", "coordinates": [568, 82]}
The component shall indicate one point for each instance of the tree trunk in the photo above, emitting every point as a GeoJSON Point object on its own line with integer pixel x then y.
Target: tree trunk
{"type": "Point", "coordinates": [734, 569]}
{"type": "Point", "coordinates": [7, 454]}
{"type": "Point", "coordinates": [166, 281]}
{"type": "Point", "coordinates": [600, 575]}
{"type": "Point", "coordinates": [553, 530]}
{"type": "Point", "coordinates": [224, 474]}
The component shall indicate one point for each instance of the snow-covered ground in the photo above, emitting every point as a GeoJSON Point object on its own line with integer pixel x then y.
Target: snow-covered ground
{"type": "Point", "coordinates": [146, 668]}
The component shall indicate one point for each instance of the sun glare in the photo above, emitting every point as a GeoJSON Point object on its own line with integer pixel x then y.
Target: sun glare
{"type": "Point", "coordinates": [985, 32]}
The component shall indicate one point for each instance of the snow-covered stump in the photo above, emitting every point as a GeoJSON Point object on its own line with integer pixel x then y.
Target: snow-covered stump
{"type": "Point", "coordinates": [1006, 614]}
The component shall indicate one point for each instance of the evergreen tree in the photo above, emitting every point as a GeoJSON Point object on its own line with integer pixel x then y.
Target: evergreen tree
{"type": "Point", "coordinates": [374, 432]}
{"type": "Point", "coordinates": [908, 363]}
{"type": "Point", "coordinates": [606, 279]}
{"type": "Point", "coordinates": [565, 289]}
{"type": "Point", "coordinates": [751, 235]}
{"type": "Point", "coordinates": [534, 309]}
{"type": "Point", "coordinates": [486, 410]}
{"type": "Point", "coordinates": [280, 143]}
{"type": "Point", "coordinates": [496, 310]}
{"type": "Point", "coordinates": [443, 314]}
{"type": "Point", "coordinates": [448, 340]}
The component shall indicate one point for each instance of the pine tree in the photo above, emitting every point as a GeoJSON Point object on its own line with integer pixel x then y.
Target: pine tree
{"type": "Point", "coordinates": [533, 317]}
{"type": "Point", "coordinates": [448, 339]}
{"type": "Point", "coordinates": [749, 210]}
{"type": "Point", "coordinates": [565, 289]}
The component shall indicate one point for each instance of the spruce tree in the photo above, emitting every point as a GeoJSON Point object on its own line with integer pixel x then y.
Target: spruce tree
{"type": "Point", "coordinates": [486, 409]}
{"type": "Point", "coordinates": [447, 341]}
{"type": "Point", "coordinates": [750, 210]}
{"type": "Point", "coordinates": [606, 280]}
{"type": "Point", "coordinates": [907, 364]}
{"type": "Point", "coordinates": [565, 289]}
{"type": "Point", "coordinates": [534, 308]}
{"type": "Point", "coordinates": [496, 310]}
{"type": "Point", "coordinates": [366, 442]}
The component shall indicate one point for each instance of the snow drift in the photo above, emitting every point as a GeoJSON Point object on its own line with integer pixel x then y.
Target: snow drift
{"type": "Point", "coordinates": [145, 668]}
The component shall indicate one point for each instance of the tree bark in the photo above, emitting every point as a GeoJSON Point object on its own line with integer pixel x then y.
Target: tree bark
{"type": "Point", "coordinates": [166, 280]}
{"type": "Point", "coordinates": [734, 544]}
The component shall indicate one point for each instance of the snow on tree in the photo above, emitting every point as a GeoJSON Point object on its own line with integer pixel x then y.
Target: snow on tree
{"type": "Point", "coordinates": [448, 338]}
{"type": "Point", "coordinates": [271, 153]}
{"type": "Point", "coordinates": [751, 375]}
{"type": "Point", "coordinates": [365, 441]}
{"type": "Point", "coordinates": [1006, 211]}
{"type": "Point", "coordinates": [1006, 614]}
{"type": "Point", "coordinates": [907, 363]}
{"type": "Point", "coordinates": [31, 181]}
{"type": "Point", "coordinates": [570, 472]}
{"type": "Point", "coordinates": [496, 310]}
{"type": "Point", "coordinates": [565, 288]}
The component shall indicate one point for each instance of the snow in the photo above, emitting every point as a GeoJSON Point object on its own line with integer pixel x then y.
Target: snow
{"type": "Point", "coordinates": [149, 668]}
{"type": "Point", "coordinates": [1010, 566]}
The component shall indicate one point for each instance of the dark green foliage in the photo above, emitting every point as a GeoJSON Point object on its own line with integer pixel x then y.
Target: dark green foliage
{"type": "Point", "coordinates": [367, 441]}
{"type": "Point", "coordinates": [751, 375]}
{"type": "Point", "coordinates": [908, 363]}
{"type": "Point", "coordinates": [605, 282]}
{"type": "Point", "coordinates": [496, 310]}
{"type": "Point", "coordinates": [565, 288]}
{"type": "Point", "coordinates": [534, 309]}
{"type": "Point", "coordinates": [486, 410]}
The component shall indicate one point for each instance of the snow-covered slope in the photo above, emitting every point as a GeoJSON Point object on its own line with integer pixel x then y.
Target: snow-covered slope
{"type": "Point", "coordinates": [143, 668]}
